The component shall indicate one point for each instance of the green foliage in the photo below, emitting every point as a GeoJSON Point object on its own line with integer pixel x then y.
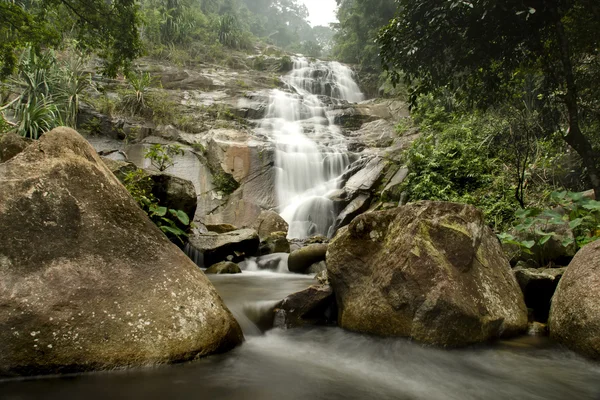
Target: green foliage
{"type": "Point", "coordinates": [360, 22]}
{"type": "Point", "coordinates": [135, 99]}
{"type": "Point", "coordinates": [225, 183]}
{"type": "Point", "coordinates": [490, 51]}
{"type": "Point", "coordinates": [161, 156]}
{"type": "Point", "coordinates": [174, 223]}
{"type": "Point", "coordinates": [569, 210]}
{"type": "Point", "coordinates": [107, 28]}
{"type": "Point", "coordinates": [49, 92]}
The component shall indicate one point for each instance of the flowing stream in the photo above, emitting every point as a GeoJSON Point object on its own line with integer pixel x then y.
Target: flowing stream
{"type": "Point", "coordinates": [311, 151]}
{"type": "Point", "coordinates": [330, 363]}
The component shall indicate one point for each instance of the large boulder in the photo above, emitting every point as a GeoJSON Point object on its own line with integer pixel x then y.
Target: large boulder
{"type": "Point", "coordinates": [432, 271]}
{"type": "Point", "coordinates": [224, 267]}
{"type": "Point", "coordinates": [269, 222]}
{"type": "Point", "coordinates": [174, 192]}
{"type": "Point", "coordinates": [302, 259]}
{"type": "Point", "coordinates": [314, 305]}
{"type": "Point", "coordinates": [213, 248]}
{"type": "Point", "coordinates": [88, 281]}
{"type": "Point", "coordinates": [575, 311]}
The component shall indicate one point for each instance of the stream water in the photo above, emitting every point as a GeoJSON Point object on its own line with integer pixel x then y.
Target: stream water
{"type": "Point", "coordinates": [330, 363]}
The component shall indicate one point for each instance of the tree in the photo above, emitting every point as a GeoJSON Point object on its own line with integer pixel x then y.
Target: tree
{"type": "Point", "coordinates": [359, 24]}
{"type": "Point", "coordinates": [109, 28]}
{"type": "Point", "coordinates": [485, 49]}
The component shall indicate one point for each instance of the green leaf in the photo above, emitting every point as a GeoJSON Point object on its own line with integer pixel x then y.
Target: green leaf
{"type": "Point", "coordinates": [568, 241]}
{"type": "Point", "coordinates": [160, 211]}
{"type": "Point", "coordinates": [575, 223]}
{"type": "Point", "coordinates": [175, 231]}
{"type": "Point", "coordinates": [544, 239]}
{"type": "Point", "coordinates": [181, 216]}
{"type": "Point", "coordinates": [528, 244]}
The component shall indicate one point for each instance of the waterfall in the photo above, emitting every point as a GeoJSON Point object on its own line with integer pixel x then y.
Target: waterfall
{"type": "Point", "coordinates": [311, 151]}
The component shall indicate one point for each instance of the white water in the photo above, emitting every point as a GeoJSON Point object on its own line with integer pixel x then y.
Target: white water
{"type": "Point", "coordinates": [311, 151]}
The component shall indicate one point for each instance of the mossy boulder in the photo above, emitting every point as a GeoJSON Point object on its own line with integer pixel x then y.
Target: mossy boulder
{"type": "Point", "coordinates": [276, 242]}
{"type": "Point", "coordinates": [431, 271]}
{"type": "Point", "coordinates": [575, 312]}
{"type": "Point", "coordinates": [302, 259]}
{"type": "Point", "coordinates": [225, 267]}
{"type": "Point", "coordinates": [269, 222]}
{"type": "Point", "coordinates": [88, 281]}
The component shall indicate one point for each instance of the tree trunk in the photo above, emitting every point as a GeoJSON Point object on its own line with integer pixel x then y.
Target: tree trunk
{"type": "Point", "coordinates": [574, 136]}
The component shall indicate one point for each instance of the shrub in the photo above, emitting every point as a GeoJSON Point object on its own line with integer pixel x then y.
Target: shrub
{"type": "Point", "coordinates": [161, 156]}
{"type": "Point", "coordinates": [175, 224]}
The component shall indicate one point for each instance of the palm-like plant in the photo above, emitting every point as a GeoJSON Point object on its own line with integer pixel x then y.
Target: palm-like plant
{"type": "Point", "coordinates": [139, 88]}
{"type": "Point", "coordinates": [48, 94]}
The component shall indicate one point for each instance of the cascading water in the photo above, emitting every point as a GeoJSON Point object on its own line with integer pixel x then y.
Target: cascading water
{"type": "Point", "coordinates": [311, 150]}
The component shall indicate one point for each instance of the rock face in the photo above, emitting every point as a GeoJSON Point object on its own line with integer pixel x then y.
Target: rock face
{"type": "Point", "coordinates": [575, 312]}
{"type": "Point", "coordinates": [88, 281]}
{"type": "Point", "coordinates": [301, 260]}
{"type": "Point", "coordinates": [432, 271]}
{"type": "Point", "coordinates": [225, 267]}
{"type": "Point", "coordinates": [230, 246]}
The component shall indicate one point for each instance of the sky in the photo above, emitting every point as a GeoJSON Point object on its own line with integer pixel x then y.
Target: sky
{"type": "Point", "coordinates": [322, 12]}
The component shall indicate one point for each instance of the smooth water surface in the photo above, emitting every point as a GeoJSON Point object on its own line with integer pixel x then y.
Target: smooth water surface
{"type": "Point", "coordinates": [329, 364]}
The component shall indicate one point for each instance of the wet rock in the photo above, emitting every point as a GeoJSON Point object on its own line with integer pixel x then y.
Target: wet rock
{"type": "Point", "coordinates": [431, 271]}
{"type": "Point", "coordinates": [368, 177]}
{"type": "Point", "coordinates": [276, 242]}
{"type": "Point", "coordinates": [538, 286]}
{"type": "Point", "coordinates": [312, 306]}
{"type": "Point", "coordinates": [575, 312]}
{"type": "Point", "coordinates": [392, 189]}
{"type": "Point", "coordinates": [273, 262]}
{"type": "Point", "coordinates": [349, 118]}
{"type": "Point", "coordinates": [230, 246]}
{"type": "Point", "coordinates": [221, 228]}
{"type": "Point", "coordinates": [356, 207]}
{"type": "Point", "coordinates": [88, 281]}
{"type": "Point", "coordinates": [225, 267]}
{"type": "Point", "coordinates": [269, 222]}
{"type": "Point", "coordinates": [301, 260]}
{"type": "Point", "coordinates": [11, 144]}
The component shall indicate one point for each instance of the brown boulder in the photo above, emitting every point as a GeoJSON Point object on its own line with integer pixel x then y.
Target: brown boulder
{"type": "Point", "coordinates": [88, 281]}
{"type": "Point", "coordinates": [432, 271]}
{"type": "Point", "coordinates": [302, 259]}
{"type": "Point", "coordinates": [269, 222]}
{"type": "Point", "coordinates": [11, 144]}
{"type": "Point", "coordinates": [575, 312]}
